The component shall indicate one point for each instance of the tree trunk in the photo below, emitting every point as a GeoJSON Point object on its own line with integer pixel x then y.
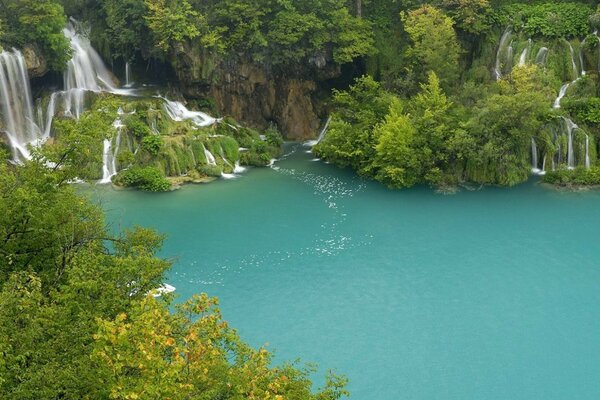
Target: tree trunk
{"type": "Point", "coordinates": [359, 8]}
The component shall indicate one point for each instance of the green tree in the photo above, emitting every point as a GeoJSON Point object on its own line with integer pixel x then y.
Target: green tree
{"type": "Point", "coordinates": [349, 140]}
{"type": "Point", "coordinates": [396, 161]}
{"type": "Point", "coordinates": [40, 22]}
{"type": "Point", "coordinates": [174, 21]}
{"type": "Point", "coordinates": [434, 45]}
{"type": "Point", "coordinates": [503, 126]}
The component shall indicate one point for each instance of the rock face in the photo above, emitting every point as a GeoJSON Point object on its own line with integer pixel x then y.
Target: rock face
{"type": "Point", "coordinates": [36, 63]}
{"type": "Point", "coordinates": [254, 93]}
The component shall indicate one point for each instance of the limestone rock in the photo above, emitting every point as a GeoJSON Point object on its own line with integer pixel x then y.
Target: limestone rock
{"type": "Point", "coordinates": [36, 63]}
{"type": "Point", "coordinates": [256, 94]}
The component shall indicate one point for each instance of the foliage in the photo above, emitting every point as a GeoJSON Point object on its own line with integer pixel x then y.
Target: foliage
{"type": "Point", "coordinates": [586, 109]}
{"type": "Point", "coordinates": [550, 19]}
{"type": "Point", "coordinates": [289, 31]}
{"type": "Point", "coordinates": [573, 177]}
{"type": "Point", "coordinates": [152, 143]}
{"type": "Point", "coordinates": [472, 16]}
{"type": "Point", "coordinates": [174, 21]}
{"type": "Point", "coordinates": [151, 352]}
{"type": "Point", "coordinates": [36, 21]}
{"type": "Point", "coordinates": [503, 126]}
{"type": "Point", "coordinates": [349, 141]}
{"type": "Point", "coordinates": [434, 45]}
{"type": "Point", "coordinates": [150, 179]}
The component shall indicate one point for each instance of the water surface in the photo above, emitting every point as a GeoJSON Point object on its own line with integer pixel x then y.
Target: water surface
{"type": "Point", "coordinates": [487, 294]}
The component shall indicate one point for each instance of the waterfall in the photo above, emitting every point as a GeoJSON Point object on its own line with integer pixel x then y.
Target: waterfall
{"type": "Point", "coordinates": [574, 65]}
{"type": "Point", "coordinates": [503, 39]}
{"type": "Point", "coordinates": [571, 126]}
{"type": "Point", "coordinates": [587, 151]}
{"type": "Point", "coordinates": [581, 64]}
{"type": "Point", "coordinates": [562, 92]}
{"type": "Point", "coordinates": [109, 157]}
{"type": "Point", "coordinates": [128, 82]}
{"type": "Point", "coordinates": [543, 171]}
{"type": "Point", "coordinates": [17, 107]}
{"type": "Point", "coordinates": [106, 154]}
{"type": "Point", "coordinates": [178, 112]}
{"type": "Point", "coordinates": [541, 56]}
{"type": "Point", "coordinates": [85, 72]}
{"type": "Point", "coordinates": [534, 157]}
{"type": "Point", "coordinates": [525, 53]}
{"type": "Point", "coordinates": [321, 136]}
{"type": "Point", "coordinates": [238, 169]}
{"type": "Point", "coordinates": [210, 159]}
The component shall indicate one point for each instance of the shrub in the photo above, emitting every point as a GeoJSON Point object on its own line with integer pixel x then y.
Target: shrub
{"type": "Point", "coordinates": [152, 144]}
{"type": "Point", "coordinates": [150, 179]}
{"type": "Point", "coordinates": [547, 19]}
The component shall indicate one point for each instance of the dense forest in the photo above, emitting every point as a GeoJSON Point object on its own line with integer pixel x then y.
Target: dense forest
{"type": "Point", "coordinates": [405, 92]}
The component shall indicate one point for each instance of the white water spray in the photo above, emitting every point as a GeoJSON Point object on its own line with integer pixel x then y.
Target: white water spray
{"type": "Point", "coordinates": [17, 107]}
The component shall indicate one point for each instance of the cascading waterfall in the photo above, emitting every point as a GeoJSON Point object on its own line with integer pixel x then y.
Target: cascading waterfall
{"type": "Point", "coordinates": [85, 71]}
{"type": "Point", "coordinates": [128, 82]}
{"type": "Point", "coordinates": [573, 63]}
{"type": "Point", "coordinates": [587, 151]}
{"type": "Point", "coordinates": [561, 93]}
{"type": "Point", "coordinates": [499, 53]}
{"type": "Point", "coordinates": [534, 157]}
{"type": "Point", "coordinates": [525, 53]}
{"type": "Point", "coordinates": [178, 112]}
{"type": "Point", "coordinates": [571, 126]}
{"type": "Point", "coordinates": [210, 159]}
{"type": "Point", "coordinates": [541, 56]}
{"type": "Point", "coordinates": [581, 63]}
{"type": "Point", "coordinates": [321, 136]}
{"type": "Point", "coordinates": [109, 156]}
{"type": "Point", "coordinates": [17, 107]}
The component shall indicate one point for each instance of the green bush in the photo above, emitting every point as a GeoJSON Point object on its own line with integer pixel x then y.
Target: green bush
{"type": "Point", "coordinates": [152, 144]}
{"type": "Point", "coordinates": [574, 177]}
{"type": "Point", "coordinates": [137, 127]}
{"type": "Point", "coordinates": [150, 179]}
{"type": "Point", "coordinates": [210, 170]}
{"type": "Point", "coordinates": [556, 19]}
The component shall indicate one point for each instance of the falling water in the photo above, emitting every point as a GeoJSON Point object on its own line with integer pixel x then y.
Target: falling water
{"type": "Point", "coordinates": [503, 40]}
{"type": "Point", "coordinates": [587, 151]}
{"type": "Point", "coordinates": [574, 65]}
{"type": "Point", "coordinates": [534, 157]}
{"type": "Point", "coordinates": [210, 159]}
{"type": "Point", "coordinates": [106, 155]}
{"type": "Point", "coordinates": [562, 92]}
{"type": "Point", "coordinates": [525, 53]}
{"type": "Point", "coordinates": [128, 82]}
{"type": "Point", "coordinates": [581, 64]}
{"type": "Point", "coordinates": [541, 56]}
{"type": "Point", "coordinates": [178, 112]}
{"type": "Point", "coordinates": [17, 107]}
{"type": "Point", "coordinates": [321, 136]}
{"type": "Point", "coordinates": [571, 126]}
{"type": "Point", "coordinates": [109, 157]}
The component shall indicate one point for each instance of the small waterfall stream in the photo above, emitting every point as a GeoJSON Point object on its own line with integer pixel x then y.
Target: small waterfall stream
{"type": "Point", "coordinates": [541, 56]}
{"type": "Point", "coordinates": [525, 53]}
{"type": "Point", "coordinates": [321, 136]}
{"type": "Point", "coordinates": [499, 53]}
{"type": "Point", "coordinates": [179, 112]}
{"type": "Point", "coordinates": [128, 81]}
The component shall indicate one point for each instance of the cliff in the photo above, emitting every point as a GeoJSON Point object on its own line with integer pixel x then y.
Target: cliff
{"type": "Point", "coordinates": [257, 93]}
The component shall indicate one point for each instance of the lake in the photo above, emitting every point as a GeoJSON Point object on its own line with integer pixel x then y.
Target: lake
{"type": "Point", "coordinates": [484, 294]}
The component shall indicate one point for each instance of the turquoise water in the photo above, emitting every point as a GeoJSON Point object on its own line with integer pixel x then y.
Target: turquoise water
{"type": "Point", "coordinates": [487, 294]}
